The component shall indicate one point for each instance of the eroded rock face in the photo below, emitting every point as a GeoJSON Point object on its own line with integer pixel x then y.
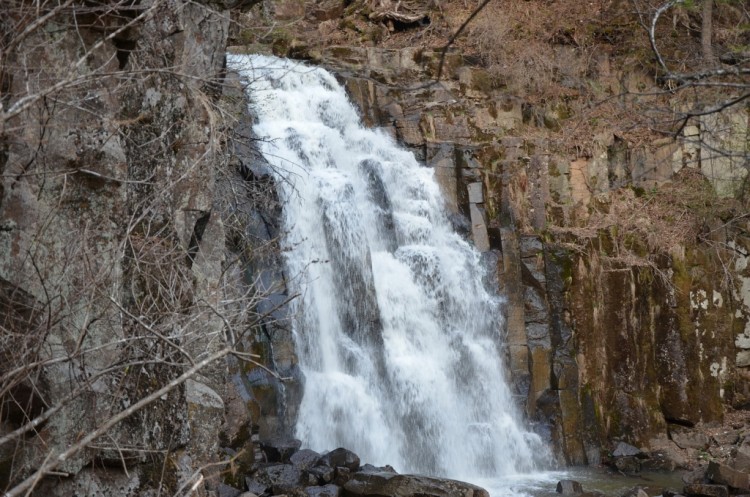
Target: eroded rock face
{"type": "Point", "coordinates": [591, 332]}
{"type": "Point", "coordinates": [109, 230]}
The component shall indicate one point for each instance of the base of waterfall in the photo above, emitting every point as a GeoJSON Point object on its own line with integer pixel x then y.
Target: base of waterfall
{"type": "Point", "coordinates": [282, 468]}
{"type": "Point", "coordinates": [338, 473]}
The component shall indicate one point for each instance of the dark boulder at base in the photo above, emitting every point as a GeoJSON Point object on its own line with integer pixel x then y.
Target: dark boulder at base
{"type": "Point", "coordinates": [282, 478]}
{"type": "Point", "coordinates": [324, 491]}
{"type": "Point", "coordinates": [255, 487]}
{"type": "Point", "coordinates": [395, 485]}
{"type": "Point", "coordinates": [343, 475]}
{"type": "Point", "coordinates": [279, 449]}
{"type": "Point", "coordinates": [340, 458]}
{"type": "Point", "coordinates": [369, 468]}
{"type": "Point", "coordinates": [569, 487]}
{"type": "Point", "coordinates": [705, 490]}
{"type": "Point", "coordinates": [324, 474]}
{"type": "Point", "coordinates": [627, 458]}
{"type": "Point", "coordinates": [227, 491]}
{"type": "Point", "coordinates": [304, 458]}
{"type": "Point", "coordinates": [629, 465]}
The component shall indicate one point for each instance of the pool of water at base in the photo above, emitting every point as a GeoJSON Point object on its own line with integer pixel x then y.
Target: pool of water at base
{"type": "Point", "coordinates": [610, 483]}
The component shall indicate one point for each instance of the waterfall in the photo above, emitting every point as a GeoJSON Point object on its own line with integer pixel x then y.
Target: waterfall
{"type": "Point", "coordinates": [397, 336]}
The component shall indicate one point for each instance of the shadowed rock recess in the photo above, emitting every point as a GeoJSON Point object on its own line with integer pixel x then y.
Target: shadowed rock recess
{"type": "Point", "coordinates": [140, 234]}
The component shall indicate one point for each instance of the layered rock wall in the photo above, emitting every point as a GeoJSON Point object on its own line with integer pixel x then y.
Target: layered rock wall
{"type": "Point", "coordinates": [606, 339]}
{"type": "Point", "coordinates": [112, 249]}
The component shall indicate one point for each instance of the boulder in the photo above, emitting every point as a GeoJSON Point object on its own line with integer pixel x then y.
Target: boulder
{"type": "Point", "coordinates": [279, 449]}
{"type": "Point", "coordinates": [369, 468]}
{"type": "Point", "coordinates": [635, 492]}
{"type": "Point", "coordinates": [340, 457]}
{"type": "Point", "coordinates": [395, 485]}
{"type": "Point", "coordinates": [665, 455]}
{"type": "Point", "coordinates": [724, 475]}
{"type": "Point", "coordinates": [626, 450]}
{"type": "Point", "coordinates": [629, 464]}
{"type": "Point", "coordinates": [324, 491]}
{"type": "Point", "coordinates": [727, 437]}
{"type": "Point", "coordinates": [569, 487]}
{"type": "Point", "coordinates": [255, 487]}
{"type": "Point", "coordinates": [741, 460]}
{"type": "Point", "coordinates": [689, 439]}
{"type": "Point", "coordinates": [698, 475]}
{"type": "Point", "coordinates": [224, 490]}
{"type": "Point", "coordinates": [705, 490]}
{"type": "Point", "coordinates": [324, 474]}
{"type": "Point", "coordinates": [282, 478]}
{"type": "Point", "coordinates": [342, 476]}
{"type": "Point", "coordinates": [304, 458]}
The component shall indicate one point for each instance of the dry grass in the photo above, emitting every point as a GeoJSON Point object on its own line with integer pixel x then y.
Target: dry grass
{"type": "Point", "coordinates": [683, 212]}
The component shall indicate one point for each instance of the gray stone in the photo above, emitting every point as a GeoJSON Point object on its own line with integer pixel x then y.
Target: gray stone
{"type": "Point", "coordinates": [476, 196]}
{"type": "Point", "coordinates": [689, 439]}
{"type": "Point", "coordinates": [531, 246]}
{"type": "Point", "coordinates": [224, 490]}
{"type": "Point", "coordinates": [741, 460]}
{"type": "Point", "coordinates": [635, 492]}
{"type": "Point", "coordinates": [705, 490]}
{"type": "Point", "coordinates": [728, 437]}
{"type": "Point", "coordinates": [324, 474]}
{"type": "Point", "coordinates": [282, 478]}
{"type": "Point", "coordinates": [203, 395]}
{"type": "Point", "coordinates": [479, 228]}
{"type": "Point", "coordinates": [341, 458]}
{"type": "Point", "coordinates": [623, 449]}
{"type": "Point", "coordinates": [304, 458]}
{"type": "Point", "coordinates": [569, 487]}
{"type": "Point", "coordinates": [369, 468]}
{"type": "Point", "coordinates": [79, 204]}
{"type": "Point", "coordinates": [724, 475]}
{"type": "Point", "coordinates": [697, 475]}
{"type": "Point", "coordinates": [255, 486]}
{"type": "Point", "coordinates": [628, 464]}
{"type": "Point", "coordinates": [395, 485]}
{"type": "Point", "coordinates": [324, 491]}
{"type": "Point", "coordinates": [342, 476]}
{"type": "Point", "coordinates": [279, 449]}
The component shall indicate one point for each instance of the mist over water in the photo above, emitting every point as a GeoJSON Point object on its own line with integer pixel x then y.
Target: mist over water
{"type": "Point", "coordinates": [397, 336]}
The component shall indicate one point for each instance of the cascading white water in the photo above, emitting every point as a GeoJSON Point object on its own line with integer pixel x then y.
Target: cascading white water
{"type": "Point", "coordinates": [397, 336]}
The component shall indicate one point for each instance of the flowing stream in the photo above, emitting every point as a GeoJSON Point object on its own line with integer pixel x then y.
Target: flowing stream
{"type": "Point", "coordinates": [397, 335]}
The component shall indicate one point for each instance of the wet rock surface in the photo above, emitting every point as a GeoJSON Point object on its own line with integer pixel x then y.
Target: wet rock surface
{"type": "Point", "coordinates": [338, 474]}
{"type": "Point", "coordinates": [392, 484]}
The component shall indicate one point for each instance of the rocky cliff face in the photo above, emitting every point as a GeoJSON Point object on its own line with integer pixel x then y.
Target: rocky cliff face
{"type": "Point", "coordinates": [111, 245]}
{"type": "Point", "coordinates": [132, 249]}
{"type": "Point", "coordinates": [624, 271]}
